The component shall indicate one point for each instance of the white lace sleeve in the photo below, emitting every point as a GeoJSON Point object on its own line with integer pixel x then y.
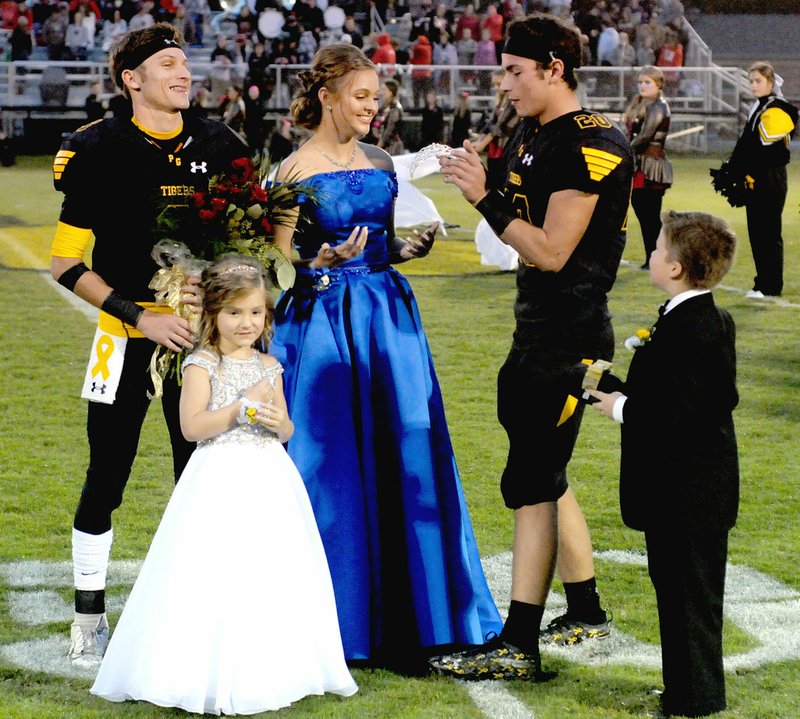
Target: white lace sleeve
{"type": "Point", "coordinates": [204, 358]}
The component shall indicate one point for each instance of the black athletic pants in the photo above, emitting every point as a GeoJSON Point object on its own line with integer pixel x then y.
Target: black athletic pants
{"type": "Point", "coordinates": [647, 206]}
{"type": "Point", "coordinates": [113, 431]}
{"type": "Point", "coordinates": [764, 227]}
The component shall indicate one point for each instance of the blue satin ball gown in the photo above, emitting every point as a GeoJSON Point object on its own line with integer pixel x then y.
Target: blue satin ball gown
{"type": "Point", "coordinates": [371, 440]}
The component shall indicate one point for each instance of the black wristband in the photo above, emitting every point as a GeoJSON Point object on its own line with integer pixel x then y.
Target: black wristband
{"type": "Point", "coordinates": [125, 310]}
{"type": "Point", "coordinates": [70, 277]}
{"type": "Point", "coordinates": [497, 211]}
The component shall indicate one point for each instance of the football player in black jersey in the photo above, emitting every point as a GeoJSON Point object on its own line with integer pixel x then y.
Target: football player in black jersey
{"type": "Point", "coordinates": [562, 205]}
{"type": "Point", "coordinates": [117, 176]}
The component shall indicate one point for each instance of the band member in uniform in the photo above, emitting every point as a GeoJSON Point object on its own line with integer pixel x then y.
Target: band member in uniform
{"type": "Point", "coordinates": [562, 206]}
{"type": "Point", "coordinates": [117, 176]}
{"type": "Point", "coordinates": [761, 155]}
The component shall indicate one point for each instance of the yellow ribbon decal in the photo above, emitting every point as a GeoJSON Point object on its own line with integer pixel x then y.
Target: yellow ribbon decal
{"type": "Point", "coordinates": [571, 403]}
{"type": "Point", "coordinates": [104, 348]}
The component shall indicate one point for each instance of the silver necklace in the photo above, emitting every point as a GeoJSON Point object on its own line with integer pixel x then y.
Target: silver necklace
{"type": "Point", "coordinates": [343, 165]}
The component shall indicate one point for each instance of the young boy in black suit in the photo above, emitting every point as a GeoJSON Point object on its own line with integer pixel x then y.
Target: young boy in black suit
{"type": "Point", "coordinates": [679, 477]}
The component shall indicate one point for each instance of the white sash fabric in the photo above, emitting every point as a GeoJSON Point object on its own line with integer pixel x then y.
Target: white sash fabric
{"type": "Point", "coordinates": [105, 368]}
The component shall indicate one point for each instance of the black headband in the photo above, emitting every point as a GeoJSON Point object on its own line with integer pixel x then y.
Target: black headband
{"type": "Point", "coordinates": [138, 56]}
{"type": "Point", "coordinates": [523, 47]}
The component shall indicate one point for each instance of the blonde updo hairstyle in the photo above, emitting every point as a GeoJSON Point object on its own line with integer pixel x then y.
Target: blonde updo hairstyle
{"type": "Point", "coordinates": [331, 65]}
{"type": "Point", "coordinates": [226, 280]}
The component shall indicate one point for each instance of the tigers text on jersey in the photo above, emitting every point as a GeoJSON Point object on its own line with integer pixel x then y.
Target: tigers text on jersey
{"type": "Point", "coordinates": [558, 311]}
{"type": "Point", "coordinates": [117, 179]}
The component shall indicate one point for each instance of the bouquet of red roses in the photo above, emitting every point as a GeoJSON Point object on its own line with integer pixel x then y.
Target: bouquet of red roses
{"type": "Point", "coordinates": [237, 213]}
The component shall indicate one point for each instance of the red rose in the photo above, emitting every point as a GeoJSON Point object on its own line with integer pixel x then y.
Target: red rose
{"type": "Point", "coordinates": [199, 200]}
{"type": "Point", "coordinates": [243, 167]}
{"type": "Point", "coordinates": [223, 186]}
{"type": "Point", "coordinates": [207, 215]}
{"type": "Point", "coordinates": [258, 194]}
{"type": "Point", "coordinates": [265, 223]}
{"type": "Point", "coordinates": [219, 203]}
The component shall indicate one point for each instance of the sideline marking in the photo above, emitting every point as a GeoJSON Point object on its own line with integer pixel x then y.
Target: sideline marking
{"type": "Point", "coordinates": [762, 606]}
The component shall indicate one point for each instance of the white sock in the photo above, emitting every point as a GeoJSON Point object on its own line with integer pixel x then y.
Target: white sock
{"type": "Point", "coordinates": [90, 554]}
{"type": "Point", "coordinates": [89, 621]}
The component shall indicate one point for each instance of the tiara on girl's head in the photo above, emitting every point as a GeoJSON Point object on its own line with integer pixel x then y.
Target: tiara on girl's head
{"type": "Point", "coordinates": [241, 268]}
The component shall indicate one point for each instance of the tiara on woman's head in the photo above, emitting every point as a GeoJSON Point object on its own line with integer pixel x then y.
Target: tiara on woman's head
{"type": "Point", "coordinates": [241, 268]}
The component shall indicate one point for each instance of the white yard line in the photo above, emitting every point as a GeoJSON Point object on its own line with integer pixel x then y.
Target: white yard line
{"type": "Point", "coordinates": [495, 701]}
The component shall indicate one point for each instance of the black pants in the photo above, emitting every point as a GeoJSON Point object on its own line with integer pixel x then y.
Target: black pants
{"type": "Point", "coordinates": [646, 204]}
{"type": "Point", "coordinates": [764, 227]}
{"type": "Point", "coordinates": [113, 431]}
{"type": "Point", "coordinates": [688, 574]}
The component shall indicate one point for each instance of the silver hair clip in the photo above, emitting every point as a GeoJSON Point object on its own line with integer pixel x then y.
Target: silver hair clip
{"type": "Point", "coordinates": [240, 268]}
{"type": "Point", "coordinates": [552, 56]}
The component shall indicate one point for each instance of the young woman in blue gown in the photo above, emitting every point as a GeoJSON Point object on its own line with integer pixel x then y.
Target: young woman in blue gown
{"type": "Point", "coordinates": [371, 439]}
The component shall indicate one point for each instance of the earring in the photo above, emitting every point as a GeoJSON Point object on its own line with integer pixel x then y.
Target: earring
{"type": "Point", "coordinates": [329, 108]}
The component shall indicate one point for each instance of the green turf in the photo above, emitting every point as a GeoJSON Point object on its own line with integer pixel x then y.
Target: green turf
{"type": "Point", "coordinates": [467, 314]}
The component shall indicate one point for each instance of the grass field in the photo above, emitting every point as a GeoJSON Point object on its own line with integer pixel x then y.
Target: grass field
{"type": "Point", "coordinates": [467, 313]}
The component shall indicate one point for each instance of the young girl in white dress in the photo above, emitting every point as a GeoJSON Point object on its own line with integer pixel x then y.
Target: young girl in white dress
{"type": "Point", "coordinates": [233, 611]}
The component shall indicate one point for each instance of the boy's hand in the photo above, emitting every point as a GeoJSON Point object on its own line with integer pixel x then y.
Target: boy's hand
{"type": "Point", "coordinates": [604, 401]}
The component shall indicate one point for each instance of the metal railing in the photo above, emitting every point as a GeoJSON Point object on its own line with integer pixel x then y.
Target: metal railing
{"type": "Point", "coordinates": [699, 96]}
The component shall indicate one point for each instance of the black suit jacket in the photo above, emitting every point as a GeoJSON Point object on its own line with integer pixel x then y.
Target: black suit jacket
{"type": "Point", "coordinates": [680, 465]}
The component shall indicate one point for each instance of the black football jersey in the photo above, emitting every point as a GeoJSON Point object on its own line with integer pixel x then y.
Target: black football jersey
{"type": "Point", "coordinates": [116, 180]}
{"type": "Point", "coordinates": [561, 311]}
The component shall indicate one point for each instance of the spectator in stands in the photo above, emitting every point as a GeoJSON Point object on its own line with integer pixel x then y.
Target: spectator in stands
{"type": "Point", "coordinates": [94, 106]}
{"type": "Point", "coordinates": [466, 48]}
{"type": "Point", "coordinates": [444, 53]}
{"type": "Point", "coordinates": [185, 25]}
{"type": "Point", "coordinates": [671, 55]}
{"type": "Point", "coordinates": [421, 54]}
{"type": "Point", "coordinates": [311, 16]}
{"type": "Point", "coordinates": [607, 41]}
{"type": "Point", "coordinates": [113, 30]}
{"type": "Point", "coordinates": [468, 21]}
{"type": "Point", "coordinates": [143, 17]}
{"type": "Point", "coordinates": [432, 126]}
{"type": "Point", "coordinates": [306, 46]}
{"type": "Point", "coordinates": [233, 112]}
{"type": "Point", "coordinates": [165, 10]}
{"type": "Point", "coordinates": [647, 120]}
{"type": "Point", "coordinates": [257, 65]}
{"type": "Point", "coordinates": [246, 27]}
{"type": "Point", "coordinates": [351, 29]}
{"type": "Point", "coordinates": [88, 7]}
{"type": "Point", "coordinates": [644, 52]}
{"type": "Point", "coordinates": [200, 102]}
{"type": "Point", "coordinates": [120, 106]}
{"type": "Point", "coordinates": [78, 40]}
{"type": "Point", "coordinates": [385, 55]}
{"type": "Point", "coordinates": [493, 22]}
{"type": "Point", "coordinates": [198, 10]}
{"type": "Point", "coordinates": [222, 62]}
{"type": "Point", "coordinates": [485, 55]}
{"type": "Point", "coordinates": [421, 24]}
{"type": "Point", "coordinates": [254, 126]}
{"type": "Point", "coordinates": [624, 55]}
{"type": "Point", "coordinates": [21, 40]}
{"type": "Point", "coordinates": [54, 32]}
{"type": "Point", "coordinates": [462, 121]}
{"type": "Point", "coordinates": [280, 142]}
{"type": "Point", "coordinates": [441, 22]}
{"type": "Point", "coordinates": [652, 29]}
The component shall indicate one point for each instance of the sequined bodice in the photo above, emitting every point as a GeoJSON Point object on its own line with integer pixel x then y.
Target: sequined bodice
{"type": "Point", "coordinates": [230, 379]}
{"type": "Point", "coordinates": [346, 198]}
